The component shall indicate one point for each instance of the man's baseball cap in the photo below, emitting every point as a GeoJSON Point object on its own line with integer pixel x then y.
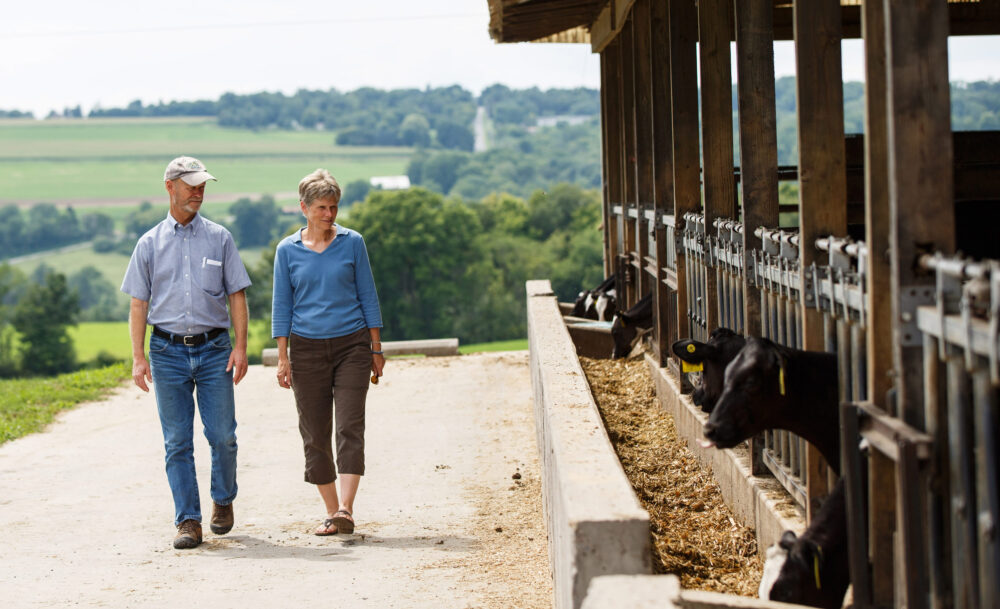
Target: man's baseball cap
{"type": "Point", "coordinates": [189, 169]}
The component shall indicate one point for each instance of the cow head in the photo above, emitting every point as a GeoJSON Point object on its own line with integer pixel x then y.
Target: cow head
{"type": "Point", "coordinates": [711, 358]}
{"type": "Point", "coordinates": [800, 580]}
{"type": "Point", "coordinates": [752, 391]}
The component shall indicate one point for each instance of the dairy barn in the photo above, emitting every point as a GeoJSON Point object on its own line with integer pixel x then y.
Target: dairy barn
{"type": "Point", "coordinates": [887, 263]}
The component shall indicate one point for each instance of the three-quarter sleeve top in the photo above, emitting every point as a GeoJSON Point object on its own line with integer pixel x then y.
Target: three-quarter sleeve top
{"type": "Point", "coordinates": [323, 295]}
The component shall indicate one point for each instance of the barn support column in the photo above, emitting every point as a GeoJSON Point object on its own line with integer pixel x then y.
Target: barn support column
{"type": "Point", "coordinates": [609, 160]}
{"type": "Point", "coordinates": [822, 167]}
{"type": "Point", "coordinates": [627, 296]}
{"type": "Point", "coordinates": [872, 572]}
{"type": "Point", "coordinates": [922, 220]}
{"type": "Point", "coordinates": [715, 26]}
{"type": "Point", "coordinates": [664, 298]}
{"type": "Point", "coordinates": [643, 142]}
{"type": "Point", "coordinates": [683, 24]}
{"type": "Point", "coordinates": [758, 150]}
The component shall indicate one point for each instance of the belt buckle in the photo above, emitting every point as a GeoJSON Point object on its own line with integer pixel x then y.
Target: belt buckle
{"type": "Point", "coordinates": [191, 339]}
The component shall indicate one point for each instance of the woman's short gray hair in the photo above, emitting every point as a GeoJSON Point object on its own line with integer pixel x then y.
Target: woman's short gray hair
{"type": "Point", "coordinates": [319, 185]}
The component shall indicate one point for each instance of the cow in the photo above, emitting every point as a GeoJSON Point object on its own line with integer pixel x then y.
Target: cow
{"type": "Point", "coordinates": [594, 304]}
{"type": "Point", "coordinates": [711, 359]}
{"type": "Point", "coordinates": [626, 326]}
{"type": "Point", "coordinates": [767, 386]}
{"type": "Point", "coordinates": [816, 569]}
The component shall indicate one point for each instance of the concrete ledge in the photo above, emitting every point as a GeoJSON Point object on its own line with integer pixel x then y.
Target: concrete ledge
{"type": "Point", "coordinates": [633, 592]}
{"type": "Point", "coordinates": [595, 523]}
{"type": "Point", "coordinates": [429, 347]}
{"type": "Point", "coordinates": [754, 499]}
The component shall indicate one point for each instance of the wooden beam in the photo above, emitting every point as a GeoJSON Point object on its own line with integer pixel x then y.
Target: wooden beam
{"type": "Point", "coordinates": [643, 137]}
{"type": "Point", "coordinates": [878, 582]}
{"type": "Point", "coordinates": [663, 172]}
{"type": "Point", "coordinates": [611, 89]}
{"type": "Point", "coordinates": [921, 210]}
{"type": "Point", "coordinates": [629, 177]}
{"type": "Point", "coordinates": [715, 21]}
{"type": "Point", "coordinates": [608, 23]}
{"type": "Point", "coordinates": [822, 171]}
{"type": "Point", "coordinates": [683, 24]}
{"type": "Point", "coordinates": [758, 137]}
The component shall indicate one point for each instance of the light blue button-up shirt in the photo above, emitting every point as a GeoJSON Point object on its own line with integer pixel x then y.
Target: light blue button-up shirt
{"type": "Point", "coordinates": [323, 295]}
{"type": "Point", "coordinates": [186, 273]}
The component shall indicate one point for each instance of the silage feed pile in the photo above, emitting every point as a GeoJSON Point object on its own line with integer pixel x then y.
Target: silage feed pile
{"type": "Point", "coordinates": [694, 534]}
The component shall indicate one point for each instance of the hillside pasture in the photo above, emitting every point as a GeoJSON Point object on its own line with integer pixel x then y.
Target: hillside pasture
{"type": "Point", "coordinates": [97, 162]}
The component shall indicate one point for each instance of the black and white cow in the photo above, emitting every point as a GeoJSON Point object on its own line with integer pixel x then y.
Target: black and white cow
{"type": "Point", "coordinates": [711, 358]}
{"type": "Point", "coordinates": [767, 386]}
{"type": "Point", "coordinates": [597, 303]}
{"type": "Point", "coordinates": [627, 325]}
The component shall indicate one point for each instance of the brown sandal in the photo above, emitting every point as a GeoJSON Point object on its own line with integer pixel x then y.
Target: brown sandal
{"type": "Point", "coordinates": [344, 521]}
{"type": "Point", "coordinates": [326, 528]}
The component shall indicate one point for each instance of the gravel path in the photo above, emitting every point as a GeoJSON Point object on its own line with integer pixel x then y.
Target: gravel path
{"type": "Point", "coordinates": [449, 513]}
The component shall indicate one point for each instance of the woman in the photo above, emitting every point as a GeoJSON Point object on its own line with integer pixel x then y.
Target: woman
{"type": "Point", "coordinates": [325, 312]}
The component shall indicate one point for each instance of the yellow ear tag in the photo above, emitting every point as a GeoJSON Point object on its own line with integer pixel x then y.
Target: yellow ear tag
{"type": "Point", "coordinates": [816, 571]}
{"type": "Point", "coordinates": [691, 348]}
{"type": "Point", "coordinates": [781, 380]}
{"type": "Point", "coordinates": [686, 367]}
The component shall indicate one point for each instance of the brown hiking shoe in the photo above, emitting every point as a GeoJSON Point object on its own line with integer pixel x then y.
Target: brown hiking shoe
{"type": "Point", "coordinates": [222, 518]}
{"type": "Point", "coordinates": [188, 535]}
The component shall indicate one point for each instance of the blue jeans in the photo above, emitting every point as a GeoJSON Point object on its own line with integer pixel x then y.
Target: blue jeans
{"type": "Point", "coordinates": [178, 371]}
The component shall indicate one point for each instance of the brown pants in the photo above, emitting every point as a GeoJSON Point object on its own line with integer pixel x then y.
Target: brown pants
{"type": "Point", "coordinates": [331, 374]}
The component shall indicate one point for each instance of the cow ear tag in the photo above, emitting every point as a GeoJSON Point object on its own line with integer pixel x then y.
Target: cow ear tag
{"type": "Point", "coordinates": [686, 367]}
{"type": "Point", "coordinates": [691, 348]}
{"type": "Point", "coordinates": [781, 379]}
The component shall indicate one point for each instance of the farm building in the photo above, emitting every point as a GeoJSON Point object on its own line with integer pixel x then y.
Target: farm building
{"type": "Point", "coordinates": [888, 260]}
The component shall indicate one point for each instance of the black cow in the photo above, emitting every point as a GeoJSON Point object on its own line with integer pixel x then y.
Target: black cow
{"type": "Point", "coordinates": [816, 571]}
{"type": "Point", "coordinates": [626, 325]}
{"type": "Point", "coordinates": [768, 386]}
{"type": "Point", "coordinates": [712, 358]}
{"type": "Point", "coordinates": [593, 304]}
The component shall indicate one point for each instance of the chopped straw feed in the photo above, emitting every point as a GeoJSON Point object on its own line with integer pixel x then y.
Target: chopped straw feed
{"type": "Point", "coordinates": [694, 534]}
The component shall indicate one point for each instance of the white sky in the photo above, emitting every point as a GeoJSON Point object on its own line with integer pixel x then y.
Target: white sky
{"type": "Point", "coordinates": [59, 53]}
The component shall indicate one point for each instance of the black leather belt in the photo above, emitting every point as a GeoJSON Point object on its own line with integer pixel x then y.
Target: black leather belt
{"type": "Point", "coordinates": [191, 340]}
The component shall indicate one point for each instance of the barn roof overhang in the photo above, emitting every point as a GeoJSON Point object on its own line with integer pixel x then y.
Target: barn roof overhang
{"type": "Point", "coordinates": [597, 22]}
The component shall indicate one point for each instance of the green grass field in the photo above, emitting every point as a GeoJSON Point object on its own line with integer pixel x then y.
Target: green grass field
{"type": "Point", "coordinates": [124, 158]}
{"type": "Point", "coordinates": [28, 405]}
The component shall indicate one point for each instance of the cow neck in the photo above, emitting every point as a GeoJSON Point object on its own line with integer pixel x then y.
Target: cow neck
{"type": "Point", "coordinates": [809, 373]}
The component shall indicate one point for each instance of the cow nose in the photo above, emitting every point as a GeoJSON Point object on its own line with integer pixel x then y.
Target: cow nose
{"type": "Point", "coordinates": [709, 429]}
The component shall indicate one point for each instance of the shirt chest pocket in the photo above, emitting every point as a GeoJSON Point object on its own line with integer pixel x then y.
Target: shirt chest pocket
{"type": "Point", "coordinates": [209, 272]}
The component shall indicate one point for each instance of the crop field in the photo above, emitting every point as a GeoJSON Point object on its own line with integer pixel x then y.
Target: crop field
{"type": "Point", "coordinates": [103, 161]}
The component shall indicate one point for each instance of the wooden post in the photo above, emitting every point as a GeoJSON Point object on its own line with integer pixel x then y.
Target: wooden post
{"type": "Point", "coordinates": [643, 139]}
{"type": "Point", "coordinates": [758, 136]}
{"type": "Point", "coordinates": [683, 23]}
{"type": "Point", "coordinates": [882, 505]}
{"type": "Point", "coordinates": [822, 173]}
{"type": "Point", "coordinates": [758, 152]}
{"type": "Point", "coordinates": [921, 217]}
{"type": "Point", "coordinates": [629, 157]}
{"type": "Point", "coordinates": [663, 171]}
{"type": "Point", "coordinates": [715, 25]}
{"type": "Point", "coordinates": [610, 88]}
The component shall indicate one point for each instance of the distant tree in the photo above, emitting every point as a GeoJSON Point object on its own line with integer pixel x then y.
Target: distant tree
{"type": "Point", "coordinates": [142, 219]}
{"type": "Point", "coordinates": [12, 285]}
{"type": "Point", "coordinates": [455, 136]}
{"type": "Point", "coordinates": [42, 317]}
{"type": "Point", "coordinates": [442, 170]}
{"type": "Point", "coordinates": [97, 297]}
{"type": "Point", "coordinates": [354, 192]}
{"type": "Point", "coordinates": [557, 209]}
{"type": "Point", "coordinates": [254, 222]}
{"type": "Point", "coordinates": [98, 224]}
{"type": "Point", "coordinates": [415, 131]}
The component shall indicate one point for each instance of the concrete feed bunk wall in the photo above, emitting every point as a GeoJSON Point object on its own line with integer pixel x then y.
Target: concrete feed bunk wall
{"type": "Point", "coordinates": [595, 522]}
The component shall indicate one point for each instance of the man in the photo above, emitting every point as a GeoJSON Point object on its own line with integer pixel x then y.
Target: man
{"type": "Point", "coordinates": [180, 276]}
